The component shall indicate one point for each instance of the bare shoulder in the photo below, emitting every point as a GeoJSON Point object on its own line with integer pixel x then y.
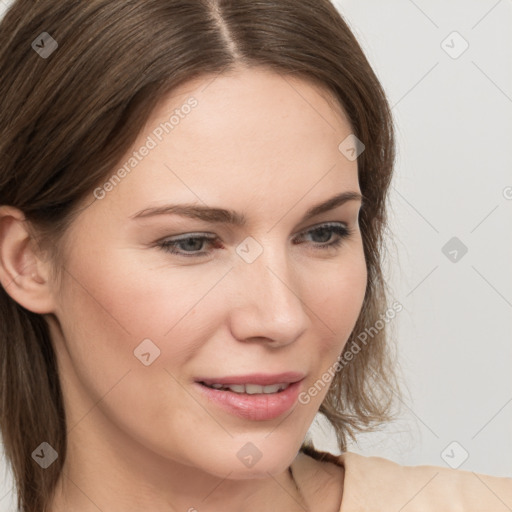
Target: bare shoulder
{"type": "Point", "coordinates": [320, 482]}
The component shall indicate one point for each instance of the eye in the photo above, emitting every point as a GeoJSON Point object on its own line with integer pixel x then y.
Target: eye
{"type": "Point", "coordinates": [326, 231]}
{"type": "Point", "coordinates": [189, 245]}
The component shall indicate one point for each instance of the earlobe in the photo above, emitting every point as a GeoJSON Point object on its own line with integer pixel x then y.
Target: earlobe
{"type": "Point", "coordinates": [22, 274]}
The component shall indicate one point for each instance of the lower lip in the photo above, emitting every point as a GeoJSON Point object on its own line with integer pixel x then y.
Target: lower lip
{"type": "Point", "coordinates": [258, 407]}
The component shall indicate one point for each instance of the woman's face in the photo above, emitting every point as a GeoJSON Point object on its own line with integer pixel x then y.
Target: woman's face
{"type": "Point", "coordinates": [261, 302]}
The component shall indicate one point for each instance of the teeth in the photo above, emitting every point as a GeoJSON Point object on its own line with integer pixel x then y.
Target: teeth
{"type": "Point", "coordinates": [237, 388]}
{"type": "Point", "coordinates": [251, 389]}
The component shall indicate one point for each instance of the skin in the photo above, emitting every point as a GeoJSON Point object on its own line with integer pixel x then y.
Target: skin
{"type": "Point", "coordinates": [141, 437]}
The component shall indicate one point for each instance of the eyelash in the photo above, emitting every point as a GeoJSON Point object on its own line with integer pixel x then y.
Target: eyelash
{"type": "Point", "coordinates": [341, 230]}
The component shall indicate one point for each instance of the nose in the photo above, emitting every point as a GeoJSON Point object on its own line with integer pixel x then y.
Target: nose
{"type": "Point", "coordinates": [268, 306]}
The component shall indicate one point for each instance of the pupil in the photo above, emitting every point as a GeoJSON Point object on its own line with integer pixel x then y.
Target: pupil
{"type": "Point", "coordinates": [323, 231]}
{"type": "Point", "coordinates": [191, 241]}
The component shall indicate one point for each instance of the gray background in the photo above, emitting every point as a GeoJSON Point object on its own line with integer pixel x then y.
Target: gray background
{"type": "Point", "coordinates": [453, 113]}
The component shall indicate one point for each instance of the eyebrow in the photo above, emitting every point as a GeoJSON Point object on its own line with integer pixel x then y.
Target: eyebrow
{"type": "Point", "coordinates": [226, 216]}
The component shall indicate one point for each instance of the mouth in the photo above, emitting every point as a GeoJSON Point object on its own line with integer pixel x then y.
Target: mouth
{"type": "Point", "coordinates": [249, 389]}
{"type": "Point", "coordinates": [254, 397]}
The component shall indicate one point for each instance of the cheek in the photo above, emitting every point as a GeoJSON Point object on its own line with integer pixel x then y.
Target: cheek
{"type": "Point", "coordinates": [106, 311]}
{"type": "Point", "coordinates": [336, 297]}
{"type": "Point", "coordinates": [337, 294]}
{"type": "Point", "coordinates": [110, 302]}
{"type": "Point", "coordinates": [126, 300]}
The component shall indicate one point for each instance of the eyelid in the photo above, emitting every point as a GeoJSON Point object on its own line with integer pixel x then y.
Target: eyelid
{"type": "Point", "coordinates": [213, 236]}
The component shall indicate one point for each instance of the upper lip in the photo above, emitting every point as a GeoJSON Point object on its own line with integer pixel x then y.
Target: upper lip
{"type": "Point", "coordinates": [262, 379]}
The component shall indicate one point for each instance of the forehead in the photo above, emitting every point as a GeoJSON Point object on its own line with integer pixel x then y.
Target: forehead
{"type": "Point", "coordinates": [250, 117]}
{"type": "Point", "coordinates": [251, 138]}
{"type": "Point", "coordinates": [254, 97]}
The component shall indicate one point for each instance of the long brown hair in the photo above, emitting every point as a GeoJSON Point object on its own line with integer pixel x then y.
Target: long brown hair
{"type": "Point", "coordinates": [67, 118]}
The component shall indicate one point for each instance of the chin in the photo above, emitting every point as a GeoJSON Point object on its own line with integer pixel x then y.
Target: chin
{"type": "Point", "coordinates": [257, 459]}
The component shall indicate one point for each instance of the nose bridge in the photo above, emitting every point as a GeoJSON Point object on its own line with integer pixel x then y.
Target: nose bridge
{"type": "Point", "coordinates": [271, 306]}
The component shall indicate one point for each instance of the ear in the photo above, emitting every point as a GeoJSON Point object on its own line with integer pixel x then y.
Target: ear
{"type": "Point", "coordinates": [23, 275]}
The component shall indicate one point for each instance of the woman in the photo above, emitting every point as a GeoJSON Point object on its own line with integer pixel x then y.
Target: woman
{"type": "Point", "coordinates": [193, 202]}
